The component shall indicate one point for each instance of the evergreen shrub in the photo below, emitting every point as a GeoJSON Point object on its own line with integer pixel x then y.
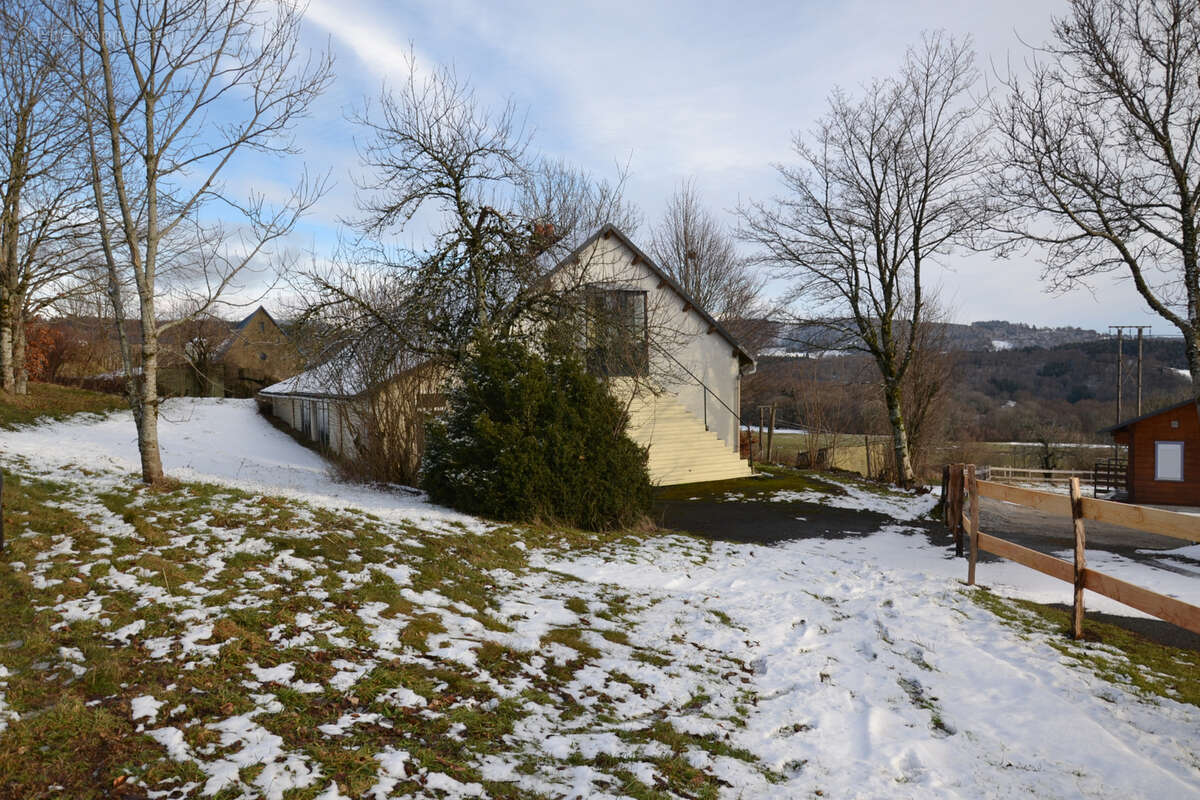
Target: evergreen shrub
{"type": "Point", "coordinates": [532, 437]}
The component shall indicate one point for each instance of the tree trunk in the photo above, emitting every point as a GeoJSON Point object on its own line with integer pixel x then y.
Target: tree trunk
{"type": "Point", "coordinates": [20, 374]}
{"type": "Point", "coordinates": [7, 384]}
{"type": "Point", "coordinates": [904, 469]}
{"type": "Point", "coordinates": [1191, 345]}
{"type": "Point", "coordinates": [146, 415]}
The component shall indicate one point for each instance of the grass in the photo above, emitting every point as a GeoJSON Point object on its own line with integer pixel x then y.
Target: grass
{"type": "Point", "coordinates": [770, 479]}
{"type": "Point", "coordinates": [49, 401]}
{"type": "Point", "coordinates": [73, 684]}
{"type": "Point", "coordinates": [1118, 655]}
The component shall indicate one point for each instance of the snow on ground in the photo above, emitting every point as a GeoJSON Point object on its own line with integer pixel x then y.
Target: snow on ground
{"type": "Point", "coordinates": [222, 441]}
{"type": "Point", "coordinates": [877, 677]}
{"type": "Point", "coordinates": [850, 667]}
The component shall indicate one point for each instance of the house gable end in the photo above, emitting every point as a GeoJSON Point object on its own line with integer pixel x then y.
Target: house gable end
{"type": "Point", "coordinates": [637, 258]}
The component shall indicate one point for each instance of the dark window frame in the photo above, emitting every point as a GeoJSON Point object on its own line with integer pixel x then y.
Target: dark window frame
{"type": "Point", "coordinates": [608, 351]}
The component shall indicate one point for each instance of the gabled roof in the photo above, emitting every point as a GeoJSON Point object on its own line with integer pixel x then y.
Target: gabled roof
{"type": "Point", "coordinates": [342, 376]}
{"type": "Point", "coordinates": [1127, 423]}
{"type": "Point", "coordinates": [611, 230]}
{"type": "Point", "coordinates": [223, 348]}
{"type": "Point", "coordinates": [335, 378]}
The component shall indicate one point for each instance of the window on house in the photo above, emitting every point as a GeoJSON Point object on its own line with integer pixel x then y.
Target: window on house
{"type": "Point", "coordinates": [262, 326]}
{"type": "Point", "coordinates": [617, 337]}
{"type": "Point", "coordinates": [322, 423]}
{"type": "Point", "coordinates": [262, 356]}
{"type": "Point", "coordinates": [306, 418]}
{"type": "Point", "coordinates": [1168, 461]}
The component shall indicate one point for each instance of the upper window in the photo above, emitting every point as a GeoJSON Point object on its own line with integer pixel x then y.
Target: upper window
{"type": "Point", "coordinates": [617, 338]}
{"type": "Point", "coordinates": [262, 326]}
{"type": "Point", "coordinates": [262, 356]}
{"type": "Point", "coordinates": [1168, 461]}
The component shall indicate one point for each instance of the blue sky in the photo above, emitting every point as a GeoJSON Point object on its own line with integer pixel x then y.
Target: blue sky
{"type": "Point", "coordinates": [710, 91]}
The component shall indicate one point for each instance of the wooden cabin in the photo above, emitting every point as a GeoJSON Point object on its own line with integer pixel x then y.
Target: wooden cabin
{"type": "Point", "coordinates": [1164, 455]}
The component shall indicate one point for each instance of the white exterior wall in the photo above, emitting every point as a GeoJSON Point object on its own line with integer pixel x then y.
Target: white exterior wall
{"type": "Point", "coordinates": [710, 357]}
{"type": "Point", "coordinates": [341, 432]}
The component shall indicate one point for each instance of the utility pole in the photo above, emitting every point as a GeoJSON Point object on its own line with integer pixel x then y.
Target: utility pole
{"type": "Point", "coordinates": [1120, 329]}
{"type": "Point", "coordinates": [1140, 331]}
{"type": "Point", "coordinates": [1120, 370]}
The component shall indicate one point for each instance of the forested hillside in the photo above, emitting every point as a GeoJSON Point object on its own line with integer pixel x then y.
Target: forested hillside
{"type": "Point", "coordinates": [1018, 393]}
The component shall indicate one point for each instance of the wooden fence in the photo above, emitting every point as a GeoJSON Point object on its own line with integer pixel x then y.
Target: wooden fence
{"type": "Point", "coordinates": [1035, 475]}
{"type": "Point", "coordinates": [964, 491]}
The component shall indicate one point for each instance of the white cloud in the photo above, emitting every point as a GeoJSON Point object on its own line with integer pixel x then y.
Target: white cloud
{"type": "Point", "coordinates": [377, 42]}
{"type": "Point", "coordinates": [711, 91]}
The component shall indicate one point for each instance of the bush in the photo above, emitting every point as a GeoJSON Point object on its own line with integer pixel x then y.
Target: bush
{"type": "Point", "coordinates": [533, 438]}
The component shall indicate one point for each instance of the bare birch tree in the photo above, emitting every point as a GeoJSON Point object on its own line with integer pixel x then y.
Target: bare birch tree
{"type": "Point", "coordinates": [43, 217]}
{"type": "Point", "coordinates": [1098, 162]}
{"type": "Point", "coordinates": [701, 255]}
{"type": "Point", "coordinates": [885, 186]}
{"type": "Point", "coordinates": [172, 91]}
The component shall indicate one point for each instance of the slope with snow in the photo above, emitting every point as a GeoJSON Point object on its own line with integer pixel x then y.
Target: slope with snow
{"type": "Point", "coordinates": [855, 667]}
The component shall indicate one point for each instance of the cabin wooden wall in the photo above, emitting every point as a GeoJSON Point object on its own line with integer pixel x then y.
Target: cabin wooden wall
{"type": "Point", "coordinates": [1144, 488]}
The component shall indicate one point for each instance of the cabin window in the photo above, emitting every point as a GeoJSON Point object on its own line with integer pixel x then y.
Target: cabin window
{"type": "Point", "coordinates": [322, 423]}
{"type": "Point", "coordinates": [1168, 461]}
{"type": "Point", "coordinates": [618, 341]}
{"type": "Point", "coordinates": [262, 326]}
{"type": "Point", "coordinates": [306, 418]}
{"type": "Point", "coordinates": [262, 356]}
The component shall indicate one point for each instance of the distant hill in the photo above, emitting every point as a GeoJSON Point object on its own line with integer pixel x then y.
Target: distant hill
{"type": "Point", "coordinates": [977, 336]}
{"type": "Point", "coordinates": [1010, 381]}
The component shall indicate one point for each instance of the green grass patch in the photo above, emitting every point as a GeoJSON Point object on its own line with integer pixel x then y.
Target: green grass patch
{"type": "Point", "coordinates": [770, 480]}
{"type": "Point", "coordinates": [49, 401]}
{"type": "Point", "coordinates": [1116, 654]}
{"type": "Point", "coordinates": [261, 565]}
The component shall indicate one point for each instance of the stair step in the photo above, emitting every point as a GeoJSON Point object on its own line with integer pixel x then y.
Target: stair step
{"type": "Point", "coordinates": [681, 448]}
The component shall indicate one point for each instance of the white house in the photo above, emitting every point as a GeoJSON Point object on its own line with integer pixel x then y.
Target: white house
{"type": "Point", "coordinates": [680, 370]}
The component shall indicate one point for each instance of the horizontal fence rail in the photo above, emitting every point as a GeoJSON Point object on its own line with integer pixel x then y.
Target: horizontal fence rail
{"type": "Point", "coordinates": [1035, 475]}
{"type": "Point", "coordinates": [962, 515]}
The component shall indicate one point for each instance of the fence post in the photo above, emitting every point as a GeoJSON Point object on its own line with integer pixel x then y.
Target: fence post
{"type": "Point", "coordinates": [946, 494]}
{"type": "Point", "coordinates": [974, 530]}
{"type": "Point", "coordinates": [1080, 558]}
{"type": "Point", "coordinates": [956, 506]}
{"type": "Point", "coordinates": [771, 434]}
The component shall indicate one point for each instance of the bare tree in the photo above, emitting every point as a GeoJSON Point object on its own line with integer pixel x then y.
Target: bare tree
{"type": "Point", "coordinates": [43, 218]}
{"type": "Point", "coordinates": [700, 254]}
{"type": "Point", "coordinates": [1098, 162]}
{"type": "Point", "coordinates": [927, 384]}
{"type": "Point", "coordinates": [886, 184]}
{"type": "Point", "coordinates": [500, 219]}
{"type": "Point", "coordinates": [171, 92]}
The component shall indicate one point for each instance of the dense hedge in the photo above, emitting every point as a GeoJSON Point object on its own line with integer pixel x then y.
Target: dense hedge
{"type": "Point", "coordinates": [529, 437]}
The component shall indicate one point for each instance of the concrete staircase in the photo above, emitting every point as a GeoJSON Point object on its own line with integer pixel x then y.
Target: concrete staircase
{"type": "Point", "coordinates": [681, 450]}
